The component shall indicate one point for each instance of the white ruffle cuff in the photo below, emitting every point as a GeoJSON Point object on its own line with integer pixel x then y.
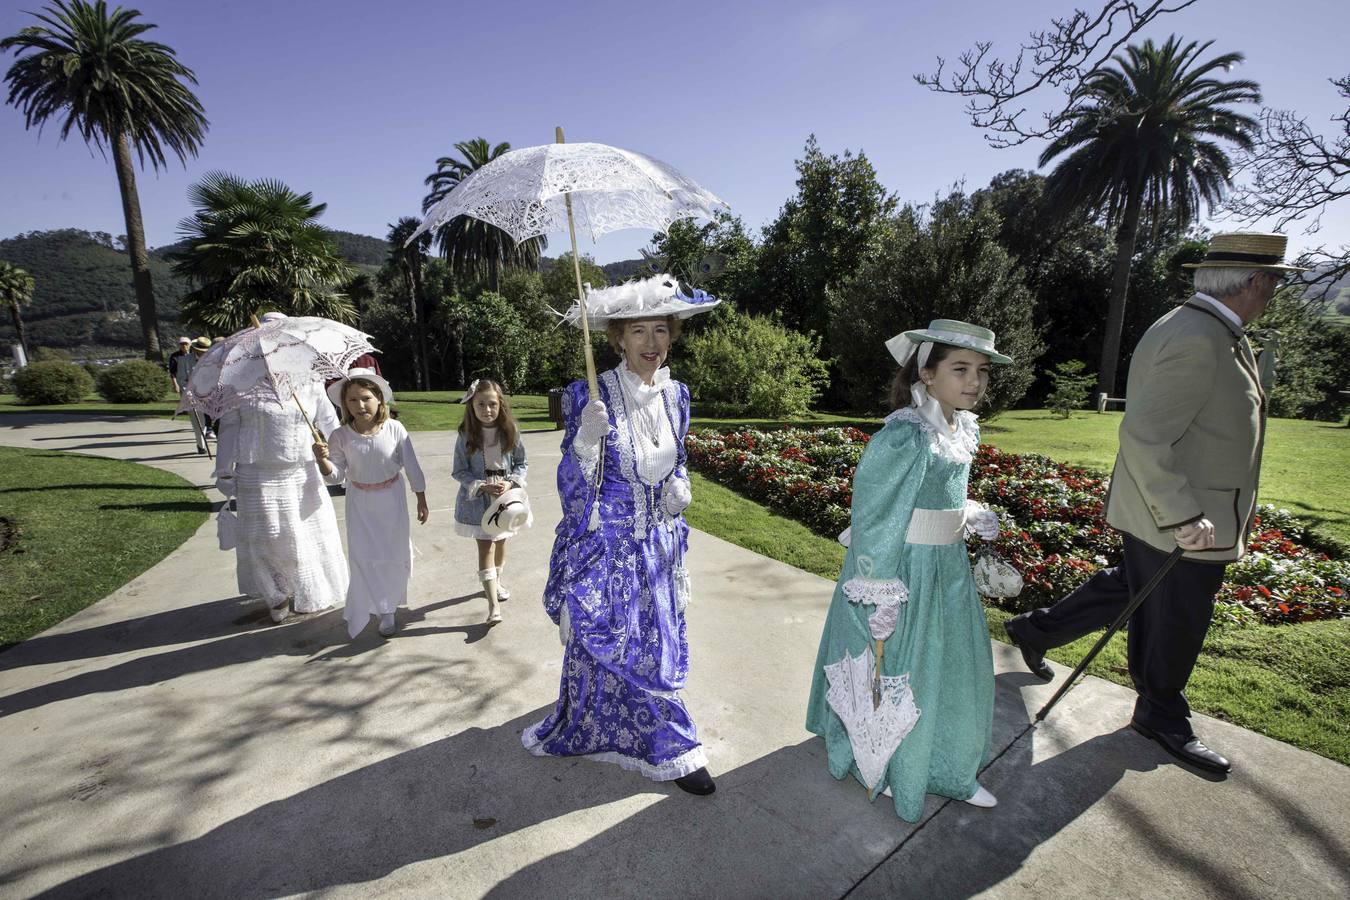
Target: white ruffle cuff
{"type": "Point", "coordinates": [887, 596]}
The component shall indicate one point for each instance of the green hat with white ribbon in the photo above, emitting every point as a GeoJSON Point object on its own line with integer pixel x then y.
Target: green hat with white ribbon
{"type": "Point", "coordinates": [952, 332]}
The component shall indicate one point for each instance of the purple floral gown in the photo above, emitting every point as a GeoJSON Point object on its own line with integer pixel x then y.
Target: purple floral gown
{"type": "Point", "coordinates": [617, 586]}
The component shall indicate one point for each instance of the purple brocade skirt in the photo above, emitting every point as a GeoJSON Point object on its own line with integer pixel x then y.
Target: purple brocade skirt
{"type": "Point", "coordinates": [625, 654]}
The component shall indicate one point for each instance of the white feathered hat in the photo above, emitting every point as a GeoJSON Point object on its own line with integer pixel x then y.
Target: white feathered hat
{"type": "Point", "coordinates": [644, 298]}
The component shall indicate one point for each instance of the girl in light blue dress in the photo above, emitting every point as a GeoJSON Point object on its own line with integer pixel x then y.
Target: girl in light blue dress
{"type": "Point", "coordinates": [903, 689]}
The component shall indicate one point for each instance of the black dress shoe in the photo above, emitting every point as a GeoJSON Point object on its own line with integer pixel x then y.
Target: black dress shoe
{"type": "Point", "coordinates": [1187, 748]}
{"type": "Point", "coordinates": [1035, 659]}
{"type": "Point", "coordinates": [698, 782]}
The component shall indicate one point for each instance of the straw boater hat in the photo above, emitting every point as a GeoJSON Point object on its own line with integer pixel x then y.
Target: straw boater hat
{"type": "Point", "coordinates": [946, 331]}
{"type": "Point", "coordinates": [201, 343]}
{"type": "Point", "coordinates": [1246, 250]}
{"type": "Point", "coordinates": [644, 298]}
{"type": "Point", "coordinates": [335, 389]}
{"type": "Point", "coordinates": [509, 512]}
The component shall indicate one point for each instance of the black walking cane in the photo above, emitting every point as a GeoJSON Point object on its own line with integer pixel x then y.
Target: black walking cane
{"type": "Point", "coordinates": [1135, 602]}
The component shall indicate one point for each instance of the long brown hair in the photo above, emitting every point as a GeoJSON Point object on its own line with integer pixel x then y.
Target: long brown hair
{"type": "Point", "coordinates": [381, 414]}
{"type": "Point", "coordinates": [906, 375]}
{"type": "Point", "coordinates": [472, 429]}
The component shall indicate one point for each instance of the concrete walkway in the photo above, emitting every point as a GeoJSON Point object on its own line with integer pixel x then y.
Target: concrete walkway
{"type": "Point", "coordinates": [170, 742]}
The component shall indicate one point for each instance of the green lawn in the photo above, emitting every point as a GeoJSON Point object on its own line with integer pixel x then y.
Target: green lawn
{"type": "Point", "coordinates": [93, 405]}
{"type": "Point", "coordinates": [77, 528]}
{"type": "Point", "coordinates": [1306, 466]}
{"type": "Point", "coordinates": [1288, 682]}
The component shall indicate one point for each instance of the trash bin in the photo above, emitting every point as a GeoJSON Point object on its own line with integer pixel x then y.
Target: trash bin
{"type": "Point", "coordinates": [555, 411]}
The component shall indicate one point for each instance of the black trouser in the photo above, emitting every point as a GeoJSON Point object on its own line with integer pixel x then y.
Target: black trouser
{"type": "Point", "coordinates": [1165, 633]}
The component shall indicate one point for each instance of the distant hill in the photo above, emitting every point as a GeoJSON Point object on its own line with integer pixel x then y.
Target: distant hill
{"type": "Point", "coordinates": [615, 272]}
{"type": "Point", "coordinates": [362, 249]}
{"type": "Point", "coordinates": [622, 270]}
{"type": "Point", "coordinates": [83, 299]}
{"type": "Point", "coordinates": [82, 293]}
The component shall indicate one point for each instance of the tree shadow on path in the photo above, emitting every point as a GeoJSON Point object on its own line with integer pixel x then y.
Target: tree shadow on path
{"type": "Point", "coordinates": [434, 801]}
{"type": "Point", "coordinates": [237, 630]}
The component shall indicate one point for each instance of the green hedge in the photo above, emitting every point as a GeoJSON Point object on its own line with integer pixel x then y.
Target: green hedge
{"type": "Point", "coordinates": [134, 381]}
{"type": "Point", "coordinates": [52, 382]}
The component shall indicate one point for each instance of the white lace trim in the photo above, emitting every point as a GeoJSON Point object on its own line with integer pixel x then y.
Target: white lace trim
{"type": "Point", "coordinates": [957, 445]}
{"type": "Point", "coordinates": [874, 733]}
{"type": "Point", "coordinates": [685, 764]}
{"type": "Point", "coordinates": [871, 590]}
{"type": "Point", "coordinates": [644, 505]}
{"type": "Point", "coordinates": [470, 530]}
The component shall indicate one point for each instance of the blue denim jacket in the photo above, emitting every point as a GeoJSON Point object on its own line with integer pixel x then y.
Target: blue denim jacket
{"type": "Point", "coordinates": [468, 469]}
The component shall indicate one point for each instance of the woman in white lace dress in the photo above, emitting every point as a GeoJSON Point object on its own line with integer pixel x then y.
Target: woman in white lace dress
{"type": "Point", "coordinates": [289, 551]}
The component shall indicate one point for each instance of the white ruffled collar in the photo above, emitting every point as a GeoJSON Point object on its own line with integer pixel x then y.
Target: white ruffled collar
{"type": "Point", "coordinates": [957, 441]}
{"type": "Point", "coordinates": [642, 392]}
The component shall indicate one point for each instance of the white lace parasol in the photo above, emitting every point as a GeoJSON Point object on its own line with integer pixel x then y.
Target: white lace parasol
{"type": "Point", "coordinates": [272, 360]}
{"type": "Point", "coordinates": [874, 733]}
{"type": "Point", "coordinates": [522, 192]}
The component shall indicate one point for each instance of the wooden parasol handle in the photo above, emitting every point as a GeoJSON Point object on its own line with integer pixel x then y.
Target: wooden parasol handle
{"type": "Point", "coordinates": [318, 438]}
{"type": "Point", "coordinates": [876, 677]}
{"type": "Point", "coordinates": [581, 291]}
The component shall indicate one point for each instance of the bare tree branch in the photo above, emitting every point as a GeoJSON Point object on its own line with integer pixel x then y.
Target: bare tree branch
{"type": "Point", "coordinates": [1291, 175]}
{"type": "Point", "coordinates": [1056, 58]}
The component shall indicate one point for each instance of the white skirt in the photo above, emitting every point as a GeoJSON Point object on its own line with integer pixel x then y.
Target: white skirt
{"type": "Point", "coordinates": [289, 547]}
{"type": "Point", "coordinates": [379, 544]}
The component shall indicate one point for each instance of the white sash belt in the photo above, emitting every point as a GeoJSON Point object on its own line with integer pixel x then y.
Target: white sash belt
{"type": "Point", "coordinates": [936, 526]}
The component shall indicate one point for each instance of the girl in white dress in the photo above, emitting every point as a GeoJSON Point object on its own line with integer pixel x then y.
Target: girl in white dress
{"type": "Point", "coordinates": [372, 451]}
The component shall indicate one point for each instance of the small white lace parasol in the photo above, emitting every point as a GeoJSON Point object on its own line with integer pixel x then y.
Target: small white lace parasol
{"type": "Point", "coordinates": [271, 360]}
{"type": "Point", "coordinates": [874, 732]}
{"type": "Point", "coordinates": [555, 187]}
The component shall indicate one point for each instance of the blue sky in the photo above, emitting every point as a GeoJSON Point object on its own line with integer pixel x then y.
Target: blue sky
{"type": "Point", "coordinates": [354, 101]}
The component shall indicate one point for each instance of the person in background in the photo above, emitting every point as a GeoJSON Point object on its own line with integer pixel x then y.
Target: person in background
{"type": "Point", "coordinates": [183, 352]}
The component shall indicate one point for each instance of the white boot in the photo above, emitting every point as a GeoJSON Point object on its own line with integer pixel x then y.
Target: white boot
{"type": "Point", "coordinates": [489, 579]}
{"type": "Point", "coordinates": [983, 798]}
{"type": "Point", "coordinates": [502, 592]}
{"type": "Point", "coordinates": [280, 613]}
{"type": "Point", "coordinates": [387, 625]}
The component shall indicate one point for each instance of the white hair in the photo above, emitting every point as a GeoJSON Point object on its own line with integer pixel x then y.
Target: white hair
{"type": "Point", "coordinates": [1223, 281]}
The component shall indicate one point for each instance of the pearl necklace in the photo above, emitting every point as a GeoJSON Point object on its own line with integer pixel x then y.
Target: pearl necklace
{"type": "Point", "coordinates": [646, 416]}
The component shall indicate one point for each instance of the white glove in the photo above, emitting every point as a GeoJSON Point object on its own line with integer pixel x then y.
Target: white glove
{"type": "Point", "coordinates": [981, 521]}
{"type": "Point", "coordinates": [225, 484]}
{"type": "Point", "coordinates": [594, 424]}
{"type": "Point", "coordinates": [677, 496]}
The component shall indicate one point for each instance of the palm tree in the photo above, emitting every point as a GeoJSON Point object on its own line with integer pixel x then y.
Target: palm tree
{"type": "Point", "coordinates": [16, 289]}
{"type": "Point", "coordinates": [409, 261]}
{"type": "Point", "coordinates": [1145, 141]}
{"type": "Point", "coordinates": [472, 247]}
{"type": "Point", "coordinates": [253, 246]}
{"type": "Point", "coordinates": [91, 67]}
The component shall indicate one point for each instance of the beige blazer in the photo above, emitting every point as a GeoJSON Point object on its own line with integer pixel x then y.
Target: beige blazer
{"type": "Point", "coordinates": [1191, 439]}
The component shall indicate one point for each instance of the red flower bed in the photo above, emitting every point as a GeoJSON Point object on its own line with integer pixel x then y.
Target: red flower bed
{"type": "Point", "coordinates": [1053, 530]}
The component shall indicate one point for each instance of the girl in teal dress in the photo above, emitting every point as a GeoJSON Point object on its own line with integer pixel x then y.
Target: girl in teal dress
{"type": "Point", "coordinates": [920, 722]}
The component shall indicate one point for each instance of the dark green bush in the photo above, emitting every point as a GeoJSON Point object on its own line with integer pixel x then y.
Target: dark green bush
{"type": "Point", "coordinates": [52, 381]}
{"type": "Point", "coordinates": [752, 366]}
{"type": "Point", "coordinates": [134, 381]}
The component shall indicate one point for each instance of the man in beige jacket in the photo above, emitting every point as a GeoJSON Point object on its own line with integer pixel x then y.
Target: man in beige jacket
{"type": "Point", "coordinates": [1185, 476]}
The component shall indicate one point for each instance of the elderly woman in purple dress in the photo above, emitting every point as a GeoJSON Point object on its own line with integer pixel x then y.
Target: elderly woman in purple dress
{"type": "Point", "coordinates": [617, 585]}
